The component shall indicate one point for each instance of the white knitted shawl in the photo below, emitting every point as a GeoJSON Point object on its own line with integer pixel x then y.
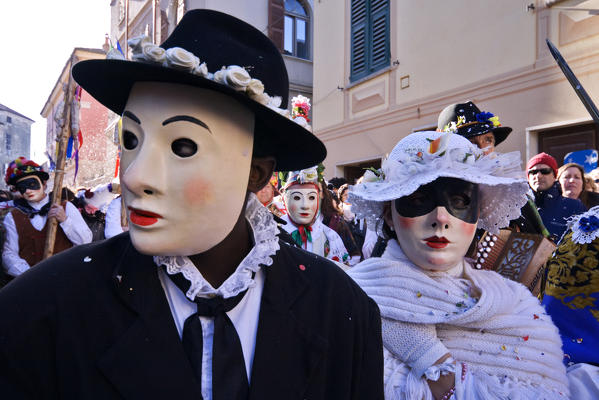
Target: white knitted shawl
{"type": "Point", "coordinates": [507, 334]}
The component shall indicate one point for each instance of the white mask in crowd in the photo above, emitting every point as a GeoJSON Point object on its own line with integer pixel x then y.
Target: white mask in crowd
{"type": "Point", "coordinates": [185, 163]}
{"type": "Point", "coordinates": [302, 201]}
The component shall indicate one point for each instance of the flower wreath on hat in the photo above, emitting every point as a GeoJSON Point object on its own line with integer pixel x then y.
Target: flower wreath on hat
{"type": "Point", "coordinates": [313, 175]}
{"type": "Point", "coordinates": [483, 117]}
{"type": "Point", "coordinates": [234, 76]}
{"type": "Point", "coordinates": [422, 157]}
{"type": "Point", "coordinates": [22, 167]}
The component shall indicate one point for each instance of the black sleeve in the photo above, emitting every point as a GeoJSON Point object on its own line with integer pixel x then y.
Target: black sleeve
{"type": "Point", "coordinates": [369, 380]}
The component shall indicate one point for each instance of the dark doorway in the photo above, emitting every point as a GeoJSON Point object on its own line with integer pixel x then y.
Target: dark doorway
{"type": "Point", "coordinates": [561, 141]}
{"type": "Point", "coordinates": [353, 172]}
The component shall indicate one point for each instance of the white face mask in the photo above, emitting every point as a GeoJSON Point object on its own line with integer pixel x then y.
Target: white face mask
{"type": "Point", "coordinates": [302, 203]}
{"type": "Point", "coordinates": [437, 241]}
{"type": "Point", "coordinates": [184, 166]}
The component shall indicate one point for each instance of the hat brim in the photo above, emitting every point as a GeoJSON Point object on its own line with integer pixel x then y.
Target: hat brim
{"type": "Point", "coordinates": [111, 81]}
{"type": "Point", "coordinates": [501, 133]}
{"type": "Point", "coordinates": [43, 175]}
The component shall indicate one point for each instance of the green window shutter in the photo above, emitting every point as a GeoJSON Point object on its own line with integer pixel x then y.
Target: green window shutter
{"type": "Point", "coordinates": [379, 54]}
{"type": "Point", "coordinates": [359, 39]}
{"type": "Point", "coordinates": [369, 37]}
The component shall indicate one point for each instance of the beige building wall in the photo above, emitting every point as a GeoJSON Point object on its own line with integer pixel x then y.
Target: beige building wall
{"type": "Point", "coordinates": [443, 52]}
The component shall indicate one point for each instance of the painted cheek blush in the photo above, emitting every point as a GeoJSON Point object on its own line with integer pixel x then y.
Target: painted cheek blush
{"type": "Point", "coordinates": [197, 191]}
{"type": "Point", "coordinates": [405, 222]}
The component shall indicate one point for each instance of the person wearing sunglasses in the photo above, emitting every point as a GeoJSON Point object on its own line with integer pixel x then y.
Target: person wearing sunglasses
{"type": "Point", "coordinates": [552, 206]}
{"type": "Point", "coordinates": [25, 224]}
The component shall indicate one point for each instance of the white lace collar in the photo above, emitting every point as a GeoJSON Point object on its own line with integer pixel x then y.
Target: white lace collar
{"type": "Point", "coordinates": [585, 227]}
{"type": "Point", "coordinates": [266, 245]}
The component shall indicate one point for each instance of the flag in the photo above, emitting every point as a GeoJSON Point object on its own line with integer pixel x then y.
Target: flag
{"type": "Point", "coordinates": [118, 47]}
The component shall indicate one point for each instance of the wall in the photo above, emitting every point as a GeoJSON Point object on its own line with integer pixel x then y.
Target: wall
{"type": "Point", "coordinates": [19, 130]}
{"type": "Point", "coordinates": [490, 52]}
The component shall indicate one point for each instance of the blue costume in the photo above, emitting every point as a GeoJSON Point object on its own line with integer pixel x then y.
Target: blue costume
{"type": "Point", "coordinates": [572, 290]}
{"type": "Point", "coordinates": [556, 209]}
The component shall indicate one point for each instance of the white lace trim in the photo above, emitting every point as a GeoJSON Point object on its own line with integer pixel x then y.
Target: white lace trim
{"type": "Point", "coordinates": [410, 165]}
{"type": "Point", "coordinates": [579, 235]}
{"type": "Point", "coordinates": [266, 245]}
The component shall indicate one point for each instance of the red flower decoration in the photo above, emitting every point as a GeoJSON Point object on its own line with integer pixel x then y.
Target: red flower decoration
{"type": "Point", "coordinates": [525, 338]}
{"type": "Point", "coordinates": [302, 267]}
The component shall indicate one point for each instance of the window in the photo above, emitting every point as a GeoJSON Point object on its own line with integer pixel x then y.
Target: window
{"type": "Point", "coordinates": [296, 30]}
{"type": "Point", "coordinates": [121, 11]}
{"type": "Point", "coordinates": [8, 119]}
{"type": "Point", "coordinates": [8, 142]}
{"type": "Point", "coordinates": [369, 37]}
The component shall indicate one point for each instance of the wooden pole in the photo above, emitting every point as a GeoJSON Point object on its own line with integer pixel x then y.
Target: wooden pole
{"type": "Point", "coordinates": [124, 221]}
{"type": "Point", "coordinates": [65, 133]}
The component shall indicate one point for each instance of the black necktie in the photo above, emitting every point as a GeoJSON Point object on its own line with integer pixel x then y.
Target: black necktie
{"type": "Point", "coordinates": [229, 377]}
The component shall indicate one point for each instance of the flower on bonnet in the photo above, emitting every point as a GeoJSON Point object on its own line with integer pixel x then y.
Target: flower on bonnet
{"type": "Point", "coordinates": [439, 145]}
{"type": "Point", "coordinates": [589, 224]}
{"type": "Point", "coordinates": [233, 76]}
{"type": "Point", "coordinates": [300, 107]}
{"type": "Point", "coordinates": [483, 116]}
{"type": "Point", "coordinates": [373, 175]}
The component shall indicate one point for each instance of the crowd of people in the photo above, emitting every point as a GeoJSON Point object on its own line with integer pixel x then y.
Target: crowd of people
{"type": "Point", "coordinates": [204, 273]}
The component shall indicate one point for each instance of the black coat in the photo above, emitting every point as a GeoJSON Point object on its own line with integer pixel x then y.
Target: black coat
{"type": "Point", "coordinates": [93, 322]}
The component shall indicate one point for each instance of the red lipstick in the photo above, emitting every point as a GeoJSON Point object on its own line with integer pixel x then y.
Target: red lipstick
{"type": "Point", "coordinates": [436, 242]}
{"type": "Point", "coordinates": [142, 217]}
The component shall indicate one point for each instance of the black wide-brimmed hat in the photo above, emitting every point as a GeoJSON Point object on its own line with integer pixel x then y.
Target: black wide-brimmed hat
{"type": "Point", "coordinates": [470, 121]}
{"type": "Point", "coordinates": [218, 40]}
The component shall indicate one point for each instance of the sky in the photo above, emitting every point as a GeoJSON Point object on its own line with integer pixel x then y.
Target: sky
{"type": "Point", "coordinates": [37, 37]}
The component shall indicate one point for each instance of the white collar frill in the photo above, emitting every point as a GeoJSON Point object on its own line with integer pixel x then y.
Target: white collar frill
{"type": "Point", "coordinates": [506, 332]}
{"type": "Point", "coordinates": [265, 232]}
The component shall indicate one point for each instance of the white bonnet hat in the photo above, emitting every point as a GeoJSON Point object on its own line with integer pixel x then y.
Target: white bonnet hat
{"type": "Point", "coordinates": [422, 157]}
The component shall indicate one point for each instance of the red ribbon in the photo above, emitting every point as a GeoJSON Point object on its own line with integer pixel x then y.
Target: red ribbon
{"type": "Point", "coordinates": [302, 231]}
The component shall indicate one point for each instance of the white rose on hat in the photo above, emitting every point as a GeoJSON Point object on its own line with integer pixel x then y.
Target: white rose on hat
{"type": "Point", "coordinates": [153, 53]}
{"type": "Point", "coordinates": [237, 77]}
{"type": "Point", "coordinates": [177, 57]}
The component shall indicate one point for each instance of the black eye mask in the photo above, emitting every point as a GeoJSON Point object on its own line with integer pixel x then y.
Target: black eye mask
{"type": "Point", "coordinates": [459, 197]}
{"type": "Point", "coordinates": [25, 184]}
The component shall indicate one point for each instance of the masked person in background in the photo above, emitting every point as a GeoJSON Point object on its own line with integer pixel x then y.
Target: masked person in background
{"type": "Point", "coordinates": [200, 298]}
{"type": "Point", "coordinates": [302, 196]}
{"type": "Point", "coordinates": [26, 223]}
{"type": "Point", "coordinates": [451, 331]}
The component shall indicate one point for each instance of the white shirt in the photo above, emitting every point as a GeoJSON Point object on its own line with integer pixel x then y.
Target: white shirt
{"type": "Point", "coordinates": [248, 275]}
{"type": "Point", "coordinates": [244, 317]}
{"type": "Point", "coordinates": [113, 227]}
{"type": "Point", "coordinates": [74, 228]}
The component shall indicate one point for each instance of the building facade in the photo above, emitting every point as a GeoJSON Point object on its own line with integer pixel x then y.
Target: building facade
{"type": "Point", "coordinates": [15, 136]}
{"type": "Point", "coordinates": [98, 144]}
{"type": "Point", "coordinates": [386, 68]}
{"type": "Point", "coordinates": [287, 22]}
